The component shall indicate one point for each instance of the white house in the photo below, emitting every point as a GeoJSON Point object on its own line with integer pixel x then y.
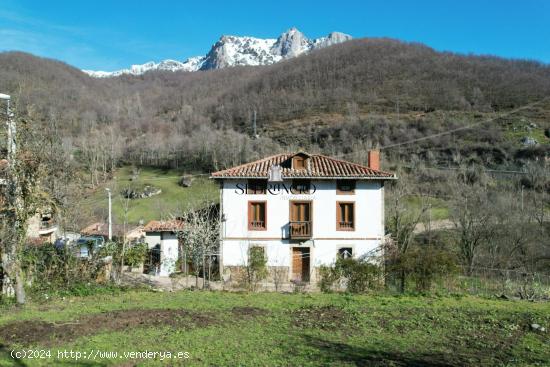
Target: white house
{"type": "Point", "coordinates": [303, 209]}
{"type": "Point", "coordinates": [162, 240]}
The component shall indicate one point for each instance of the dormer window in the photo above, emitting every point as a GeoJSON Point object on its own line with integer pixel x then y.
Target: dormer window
{"type": "Point", "coordinates": [299, 161]}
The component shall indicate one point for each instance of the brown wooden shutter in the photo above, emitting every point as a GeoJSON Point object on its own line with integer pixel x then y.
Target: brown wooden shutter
{"type": "Point", "coordinates": [257, 215]}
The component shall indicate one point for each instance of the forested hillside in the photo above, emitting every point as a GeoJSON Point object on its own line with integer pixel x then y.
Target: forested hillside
{"type": "Point", "coordinates": [339, 100]}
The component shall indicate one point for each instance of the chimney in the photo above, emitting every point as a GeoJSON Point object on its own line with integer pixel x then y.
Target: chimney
{"type": "Point", "coordinates": [374, 159]}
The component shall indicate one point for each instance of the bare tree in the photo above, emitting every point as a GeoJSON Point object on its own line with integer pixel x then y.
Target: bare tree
{"type": "Point", "coordinates": [402, 219]}
{"type": "Point", "coordinates": [472, 216]}
{"type": "Point", "coordinates": [200, 238]}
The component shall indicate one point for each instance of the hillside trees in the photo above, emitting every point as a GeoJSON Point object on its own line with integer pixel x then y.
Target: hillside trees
{"type": "Point", "coordinates": [160, 118]}
{"type": "Point", "coordinates": [401, 222]}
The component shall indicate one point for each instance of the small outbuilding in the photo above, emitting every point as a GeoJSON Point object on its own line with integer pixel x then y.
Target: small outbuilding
{"type": "Point", "coordinates": [163, 243]}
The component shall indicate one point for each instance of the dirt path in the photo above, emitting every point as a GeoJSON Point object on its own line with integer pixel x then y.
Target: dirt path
{"type": "Point", "coordinates": [32, 332]}
{"type": "Point", "coordinates": [434, 225]}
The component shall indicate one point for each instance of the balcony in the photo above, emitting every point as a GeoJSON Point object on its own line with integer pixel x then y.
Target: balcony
{"type": "Point", "coordinates": [300, 230]}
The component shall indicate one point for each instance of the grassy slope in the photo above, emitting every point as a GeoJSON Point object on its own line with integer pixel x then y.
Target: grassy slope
{"type": "Point", "coordinates": [173, 199]}
{"type": "Point", "coordinates": [369, 329]}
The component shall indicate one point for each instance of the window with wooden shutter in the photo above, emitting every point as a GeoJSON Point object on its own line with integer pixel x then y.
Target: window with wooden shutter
{"type": "Point", "coordinates": [298, 162]}
{"type": "Point", "coordinates": [257, 216]}
{"type": "Point", "coordinates": [345, 216]}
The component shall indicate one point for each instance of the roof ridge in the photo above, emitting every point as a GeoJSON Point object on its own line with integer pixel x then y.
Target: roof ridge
{"type": "Point", "coordinates": [248, 163]}
{"type": "Point", "coordinates": [353, 163]}
{"type": "Point", "coordinates": [322, 166]}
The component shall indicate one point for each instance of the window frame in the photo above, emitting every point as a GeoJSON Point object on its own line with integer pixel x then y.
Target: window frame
{"type": "Point", "coordinates": [340, 248]}
{"type": "Point", "coordinates": [299, 158]}
{"type": "Point", "coordinates": [250, 215]}
{"type": "Point", "coordinates": [339, 218]}
{"type": "Point", "coordinates": [342, 192]}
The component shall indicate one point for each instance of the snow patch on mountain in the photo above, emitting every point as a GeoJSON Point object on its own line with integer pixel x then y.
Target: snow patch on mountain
{"type": "Point", "coordinates": [231, 51]}
{"type": "Point", "coordinates": [191, 64]}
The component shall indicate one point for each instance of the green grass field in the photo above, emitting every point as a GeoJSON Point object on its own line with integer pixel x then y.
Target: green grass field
{"type": "Point", "coordinates": [173, 200]}
{"type": "Point", "coordinates": [271, 329]}
{"type": "Point", "coordinates": [438, 208]}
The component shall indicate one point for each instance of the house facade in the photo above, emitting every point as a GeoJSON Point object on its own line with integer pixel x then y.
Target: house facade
{"type": "Point", "coordinates": [302, 210]}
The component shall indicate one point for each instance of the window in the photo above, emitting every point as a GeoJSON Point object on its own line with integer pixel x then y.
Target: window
{"type": "Point", "coordinates": [345, 253]}
{"type": "Point", "coordinates": [345, 216]}
{"type": "Point", "coordinates": [300, 187]}
{"type": "Point", "coordinates": [256, 187]}
{"type": "Point", "coordinates": [257, 220]}
{"type": "Point", "coordinates": [298, 162]}
{"type": "Point", "coordinates": [345, 187]}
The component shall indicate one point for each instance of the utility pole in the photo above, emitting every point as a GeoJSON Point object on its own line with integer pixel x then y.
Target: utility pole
{"type": "Point", "coordinates": [521, 197]}
{"type": "Point", "coordinates": [397, 108]}
{"type": "Point", "coordinates": [110, 215]}
{"type": "Point", "coordinates": [254, 125]}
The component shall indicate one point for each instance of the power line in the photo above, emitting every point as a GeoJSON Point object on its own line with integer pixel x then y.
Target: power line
{"type": "Point", "coordinates": [451, 131]}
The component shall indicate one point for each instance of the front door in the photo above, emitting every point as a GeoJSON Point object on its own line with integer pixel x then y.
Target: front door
{"type": "Point", "coordinates": [300, 264]}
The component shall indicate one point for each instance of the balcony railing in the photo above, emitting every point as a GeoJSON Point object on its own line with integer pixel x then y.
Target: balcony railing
{"type": "Point", "coordinates": [300, 229]}
{"type": "Point", "coordinates": [346, 225]}
{"type": "Point", "coordinates": [257, 224]}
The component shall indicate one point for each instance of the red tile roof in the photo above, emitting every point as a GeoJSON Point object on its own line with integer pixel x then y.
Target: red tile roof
{"type": "Point", "coordinates": [319, 166]}
{"type": "Point", "coordinates": [96, 229]}
{"type": "Point", "coordinates": [164, 226]}
{"type": "Point", "coordinates": [102, 229]}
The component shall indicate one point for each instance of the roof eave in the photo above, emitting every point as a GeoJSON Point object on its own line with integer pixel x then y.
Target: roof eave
{"type": "Point", "coordinates": [310, 177]}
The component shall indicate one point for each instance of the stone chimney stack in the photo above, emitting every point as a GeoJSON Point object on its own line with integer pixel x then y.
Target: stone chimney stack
{"type": "Point", "coordinates": [374, 159]}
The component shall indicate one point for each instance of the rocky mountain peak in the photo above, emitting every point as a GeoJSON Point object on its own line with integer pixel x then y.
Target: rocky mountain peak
{"type": "Point", "coordinates": [291, 43]}
{"type": "Point", "coordinates": [232, 50]}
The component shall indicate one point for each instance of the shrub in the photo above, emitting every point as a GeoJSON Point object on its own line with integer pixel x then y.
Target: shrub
{"type": "Point", "coordinates": [423, 264]}
{"type": "Point", "coordinates": [256, 270]}
{"type": "Point", "coordinates": [136, 254]}
{"type": "Point", "coordinates": [360, 275]}
{"type": "Point", "coordinates": [327, 277]}
{"type": "Point", "coordinates": [57, 271]}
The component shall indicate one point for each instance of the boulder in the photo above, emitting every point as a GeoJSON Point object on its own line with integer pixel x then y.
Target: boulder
{"type": "Point", "coordinates": [186, 181]}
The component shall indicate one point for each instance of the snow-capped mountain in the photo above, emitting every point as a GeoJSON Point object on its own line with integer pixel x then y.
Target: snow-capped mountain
{"type": "Point", "coordinates": [234, 50]}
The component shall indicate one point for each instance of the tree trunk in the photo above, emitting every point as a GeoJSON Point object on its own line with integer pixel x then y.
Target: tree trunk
{"type": "Point", "coordinates": [402, 281]}
{"type": "Point", "coordinates": [12, 271]}
{"type": "Point", "coordinates": [20, 295]}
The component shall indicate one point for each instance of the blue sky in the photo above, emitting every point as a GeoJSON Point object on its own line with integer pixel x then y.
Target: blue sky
{"type": "Point", "coordinates": [109, 35]}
